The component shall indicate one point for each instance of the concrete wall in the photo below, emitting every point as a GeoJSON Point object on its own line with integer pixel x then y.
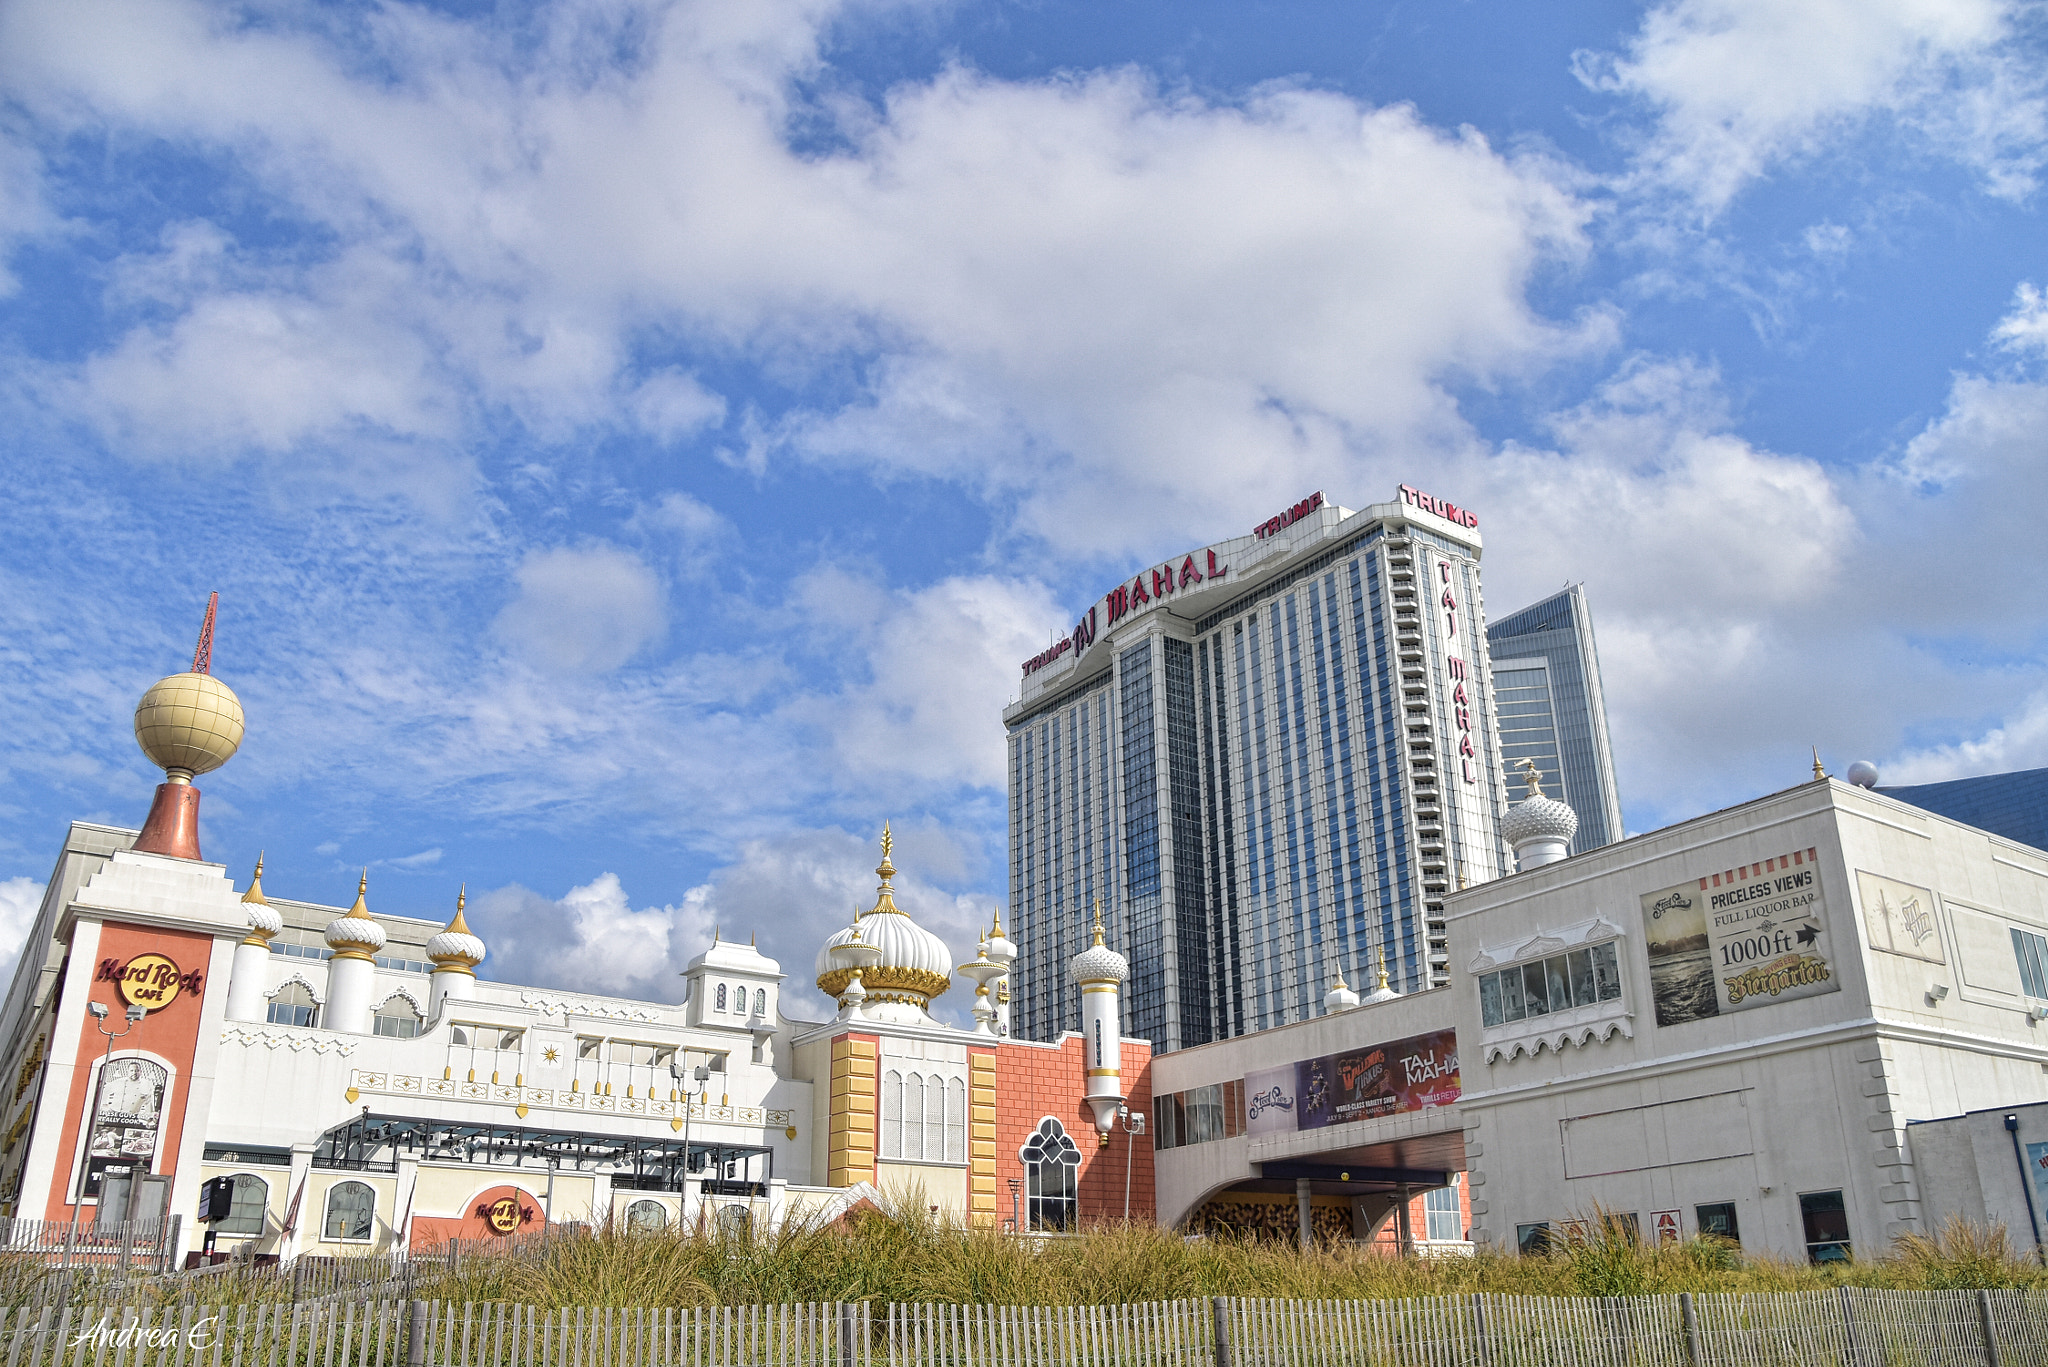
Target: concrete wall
{"type": "Point", "coordinates": [1753, 1106]}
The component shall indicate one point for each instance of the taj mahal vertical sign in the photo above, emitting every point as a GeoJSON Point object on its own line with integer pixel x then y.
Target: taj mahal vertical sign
{"type": "Point", "coordinates": [1738, 938]}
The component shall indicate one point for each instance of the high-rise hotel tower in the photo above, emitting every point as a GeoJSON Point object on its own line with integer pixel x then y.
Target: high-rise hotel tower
{"type": "Point", "coordinates": [1270, 758]}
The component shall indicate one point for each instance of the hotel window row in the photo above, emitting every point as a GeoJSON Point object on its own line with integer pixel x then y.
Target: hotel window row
{"type": "Point", "coordinates": [1582, 977]}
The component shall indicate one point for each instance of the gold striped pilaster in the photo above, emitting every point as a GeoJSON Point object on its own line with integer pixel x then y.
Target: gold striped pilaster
{"type": "Point", "coordinates": [981, 1139]}
{"type": "Point", "coordinates": [850, 1149]}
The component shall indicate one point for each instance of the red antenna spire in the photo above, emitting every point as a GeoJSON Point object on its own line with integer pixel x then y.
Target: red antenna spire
{"type": "Point", "coordinates": [202, 654]}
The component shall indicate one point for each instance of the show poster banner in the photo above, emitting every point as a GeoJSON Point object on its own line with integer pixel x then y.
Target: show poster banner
{"type": "Point", "coordinates": [1359, 1084]}
{"type": "Point", "coordinates": [1738, 939]}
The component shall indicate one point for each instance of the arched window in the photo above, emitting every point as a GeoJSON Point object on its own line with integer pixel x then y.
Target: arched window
{"type": "Point", "coordinates": [351, 1213]}
{"type": "Point", "coordinates": [760, 1001]}
{"type": "Point", "coordinates": [956, 1121]}
{"type": "Point", "coordinates": [913, 1115]}
{"type": "Point", "coordinates": [892, 1114]}
{"type": "Point", "coordinates": [735, 1221]}
{"type": "Point", "coordinates": [646, 1217]}
{"type": "Point", "coordinates": [935, 1119]}
{"type": "Point", "coordinates": [1051, 1164]}
{"type": "Point", "coordinates": [397, 1019]}
{"type": "Point", "coordinates": [245, 1215]}
{"type": "Point", "coordinates": [293, 1005]}
{"type": "Point", "coordinates": [721, 998]}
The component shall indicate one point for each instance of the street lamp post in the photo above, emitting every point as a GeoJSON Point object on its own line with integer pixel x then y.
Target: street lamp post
{"type": "Point", "coordinates": [697, 1077]}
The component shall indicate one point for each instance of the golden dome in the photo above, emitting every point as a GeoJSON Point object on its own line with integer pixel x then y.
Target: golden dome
{"type": "Point", "coordinates": [189, 724]}
{"type": "Point", "coordinates": [915, 965]}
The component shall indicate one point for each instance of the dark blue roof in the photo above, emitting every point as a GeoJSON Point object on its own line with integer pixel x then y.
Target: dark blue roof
{"type": "Point", "coordinates": [2012, 805]}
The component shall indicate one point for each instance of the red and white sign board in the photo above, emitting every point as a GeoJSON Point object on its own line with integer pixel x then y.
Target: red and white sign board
{"type": "Point", "coordinates": [1666, 1222]}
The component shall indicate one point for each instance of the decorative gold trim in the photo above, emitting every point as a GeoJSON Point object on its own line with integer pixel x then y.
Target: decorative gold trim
{"type": "Point", "coordinates": [1098, 985]}
{"type": "Point", "coordinates": [915, 982]}
{"type": "Point", "coordinates": [1104, 1072]}
{"type": "Point", "coordinates": [354, 953]}
{"type": "Point", "coordinates": [454, 966]}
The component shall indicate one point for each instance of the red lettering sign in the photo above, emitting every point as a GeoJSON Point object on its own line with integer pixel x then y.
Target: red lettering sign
{"type": "Point", "coordinates": [1273, 525]}
{"type": "Point", "coordinates": [1443, 508]}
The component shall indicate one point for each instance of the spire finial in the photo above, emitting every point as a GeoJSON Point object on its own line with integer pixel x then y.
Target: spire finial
{"type": "Point", "coordinates": [361, 910]}
{"type": "Point", "coordinates": [886, 869]}
{"type": "Point", "coordinates": [460, 925]}
{"type": "Point", "coordinates": [255, 892]}
{"type": "Point", "coordinates": [1818, 772]}
{"type": "Point", "coordinates": [1531, 775]}
{"type": "Point", "coordinates": [202, 654]}
{"type": "Point", "coordinates": [1383, 968]}
{"type": "Point", "coordinates": [1098, 920]}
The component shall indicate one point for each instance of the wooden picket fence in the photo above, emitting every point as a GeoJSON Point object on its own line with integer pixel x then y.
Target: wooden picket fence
{"type": "Point", "coordinates": [137, 1245]}
{"type": "Point", "coordinates": [1844, 1327]}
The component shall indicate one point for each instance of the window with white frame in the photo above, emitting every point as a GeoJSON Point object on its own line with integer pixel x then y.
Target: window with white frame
{"type": "Point", "coordinates": [251, 1195]}
{"type": "Point", "coordinates": [1052, 1166]}
{"type": "Point", "coordinates": [292, 1005]}
{"type": "Point", "coordinates": [924, 1117]}
{"type": "Point", "coordinates": [351, 1213]}
{"type": "Point", "coordinates": [1443, 1220]}
{"type": "Point", "coordinates": [397, 1018]}
{"type": "Point", "coordinates": [1582, 977]}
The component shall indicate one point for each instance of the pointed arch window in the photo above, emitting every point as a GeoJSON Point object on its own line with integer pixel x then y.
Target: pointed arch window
{"type": "Point", "coordinates": [721, 998]}
{"type": "Point", "coordinates": [1052, 1166]}
{"type": "Point", "coordinates": [397, 1019]}
{"type": "Point", "coordinates": [292, 1005]}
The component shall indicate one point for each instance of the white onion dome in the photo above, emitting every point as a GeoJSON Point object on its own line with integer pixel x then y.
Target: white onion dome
{"type": "Point", "coordinates": [1340, 997]}
{"type": "Point", "coordinates": [1537, 817]}
{"type": "Point", "coordinates": [456, 949]}
{"type": "Point", "coordinates": [356, 935]}
{"type": "Point", "coordinates": [1000, 948]}
{"type": "Point", "coordinates": [915, 965]}
{"type": "Point", "coordinates": [1099, 963]}
{"type": "Point", "coordinates": [264, 921]}
{"type": "Point", "coordinates": [189, 724]}
{"type": "Point", "coordinates": [1383, 992]}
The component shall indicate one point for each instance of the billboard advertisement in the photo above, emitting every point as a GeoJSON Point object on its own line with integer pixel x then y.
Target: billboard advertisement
{"type": "Point", "coordinates": [1738, 939]}
{"type": "Point", "coordinates": [1374, 1080]}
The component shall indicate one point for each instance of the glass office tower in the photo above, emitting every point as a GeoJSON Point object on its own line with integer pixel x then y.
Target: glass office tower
{"type": "Point", "coordinates": [1546, 681]}
{"type": "Point", "coordinates": [1270, 759]}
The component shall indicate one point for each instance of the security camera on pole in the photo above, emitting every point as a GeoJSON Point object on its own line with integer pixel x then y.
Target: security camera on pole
{"type": "Point", "coordinates": [1100, 971]}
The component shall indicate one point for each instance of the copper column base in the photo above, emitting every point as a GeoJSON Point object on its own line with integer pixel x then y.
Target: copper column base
{"type": "Point", "coordinates": [173, 824]}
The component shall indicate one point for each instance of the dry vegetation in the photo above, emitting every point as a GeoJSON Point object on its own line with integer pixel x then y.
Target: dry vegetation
{"type": "Point", "coordinates": [911, 1258]}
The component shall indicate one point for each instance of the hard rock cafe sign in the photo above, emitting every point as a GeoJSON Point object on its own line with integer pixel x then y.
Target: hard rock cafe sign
{"type": "Point", "coordinates": [504, 1214]}
{"type": "Point", "coordinates": [150, 981]}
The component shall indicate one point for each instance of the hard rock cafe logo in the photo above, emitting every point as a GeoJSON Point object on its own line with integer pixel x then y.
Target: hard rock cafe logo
{"type": "Point", "coordinates": [504, 1215]}
{"type": "Point", "coordinates": [150, 981]}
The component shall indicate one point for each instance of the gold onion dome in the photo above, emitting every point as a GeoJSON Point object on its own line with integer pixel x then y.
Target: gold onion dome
{"type": "Point", "coordinates": [456, 949]}
{"type": "Point", "coordinates": [915, 965]}
{"type": "Point", "coordinates": [188, 724]}
{"type": "Point", "coordinates": [356, 934]}
{"type": "Point", "coordinates": [264, 921]}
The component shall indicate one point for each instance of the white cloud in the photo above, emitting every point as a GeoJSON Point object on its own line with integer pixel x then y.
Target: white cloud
{"type": "Point", "coordinates": [591, 940]}
{"type": "Point", "coordinates": [933, 666]}
{"type": "Point", "coordinates": [2021, 742]}
{"type": "Point", "coordinates": [785, 894]}
{"type": "Point", "coordinates": [1740, 87]}
{"type": "Point", "coordinates": [1130, 310]}
{"type": "Point", "coordinates": [2026, 327]}
{"type": "Point", "coordinates": [20, 900]}
{"type": "Point", "coordinates": [582, 611]}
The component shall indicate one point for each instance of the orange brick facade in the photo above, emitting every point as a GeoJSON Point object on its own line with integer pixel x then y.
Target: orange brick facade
{"type": "Point", "coordinates": [1012, 1087]}
{"type": "Point", "coordinates": [1034, 1081]}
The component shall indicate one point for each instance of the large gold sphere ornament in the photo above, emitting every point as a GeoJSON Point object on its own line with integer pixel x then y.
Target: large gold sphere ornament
{"type": "Point", "coordinates": [189, 724]}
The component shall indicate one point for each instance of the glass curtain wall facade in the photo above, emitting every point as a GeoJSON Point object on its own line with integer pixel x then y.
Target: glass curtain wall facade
{"type": "Point", "coordinates": [1546, 678]}
{"type": "Point", "coordinates": [1263, 797]}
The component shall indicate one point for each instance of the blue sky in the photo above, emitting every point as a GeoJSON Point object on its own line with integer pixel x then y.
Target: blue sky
{"type": "Point", "coordinates": [636, 444]}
